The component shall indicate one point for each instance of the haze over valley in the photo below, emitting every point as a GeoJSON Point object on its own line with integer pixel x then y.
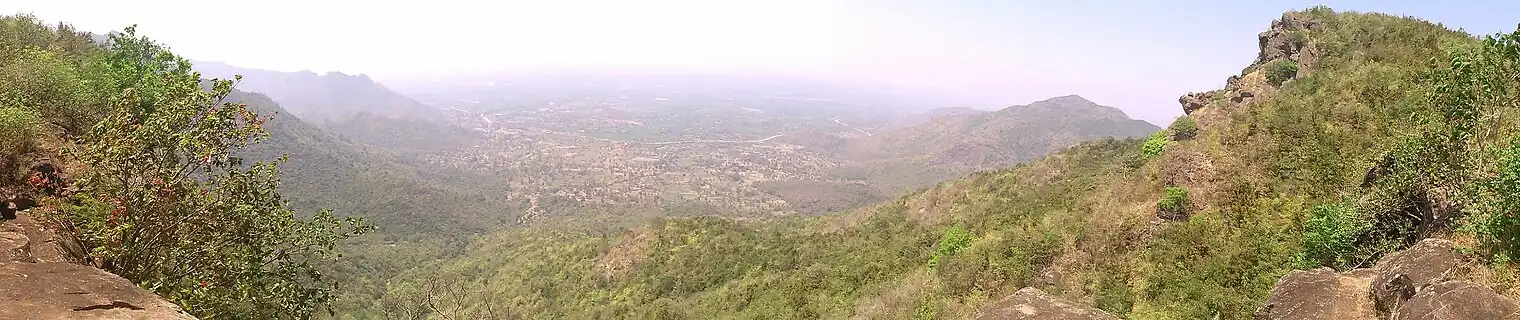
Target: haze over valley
{"type": "Point", "coordinates": [674, 159]}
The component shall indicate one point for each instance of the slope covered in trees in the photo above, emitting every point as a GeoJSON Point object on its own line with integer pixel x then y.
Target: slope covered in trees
{"type": "Point", "coordinates": [135, 160]}
{"type": "Point", "coordinates": [954, 142]}
{"type": "Point", "coordinates": [1351, 135]}
{"type": "Point", "coordinates": [353, 106]}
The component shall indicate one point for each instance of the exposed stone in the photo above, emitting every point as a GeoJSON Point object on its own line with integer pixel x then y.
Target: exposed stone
{"type": "Point", "coordinates": [1406, 285]}
{"type": "Point", "coordinates": [1453, 300]}
{"type": "Point", "coordinates": [1194, 101]}
{"type": "Point", "coordinates": [1239, 96]}
{"type": "Point", "coordinates": [1429, 261]}
{"type": "Point", "coordinates": [71, 291]}
{"type": "Point", "coordinates": [1284, 40]}
{"type": "Point", "coordinates": [1319, 294]}
{"type": "Point", "coordinates": [1031, 304]}
{"type": "Point", "coordinates": [25, 240]}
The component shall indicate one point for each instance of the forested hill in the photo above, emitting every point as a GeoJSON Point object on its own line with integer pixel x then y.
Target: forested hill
{"type": "Point", "coordinates": [1351, 136]}
{"type": "Point", "coordinates": [954, 142]}
{"type": "Point", "coordinates": [321, 97]}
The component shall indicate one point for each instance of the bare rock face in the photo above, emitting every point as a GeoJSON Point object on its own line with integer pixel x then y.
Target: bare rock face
{"type": "Point", "coordinates": [1454, 300]}
{"type": "Point", "coordinates": [37, 282]}
{"type": "Point", "coordinates": [25, 240]}
{"type": "Point", "coordinates": [1413, 284]}
{"type": "Point", "coordinates": [1032, 304]}
{"type": "Point", "coordinates": [70, 291]}
{"type": "Point", "coordinates": [1282, 40]}
{"type": "Point", "coordinates": [1399, 274]}
{"type": "Point", "coordinates": [1319, 294]}
{"type": "Point", "coordinates": [1194, 101]}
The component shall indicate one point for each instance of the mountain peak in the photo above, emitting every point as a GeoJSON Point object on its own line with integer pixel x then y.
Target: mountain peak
{"type": "Point", "coordinates": [1070, 99]}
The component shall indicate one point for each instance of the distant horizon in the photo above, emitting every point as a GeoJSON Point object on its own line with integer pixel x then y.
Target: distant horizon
{"type": "Point", "coordinates": [1136, 57]}
{"type": "Point", "coordinates": [988, 106]}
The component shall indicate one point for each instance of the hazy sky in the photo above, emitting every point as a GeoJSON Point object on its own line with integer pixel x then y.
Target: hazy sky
{"type": "Point", "coordinates": [1139, 57]}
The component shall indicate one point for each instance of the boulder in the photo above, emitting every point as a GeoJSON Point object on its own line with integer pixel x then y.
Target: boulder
{"type": "Point", "coordinates": [1194, 101]}
{"type": "Point", "coordinates": [70, 291]}
{"type": "Point", "coordinates": [1283, 40]}
{"type": "Point", "coordinates": [1031, 304]}
{"type": "Point", "coordinates": [1397, 275]}
{"type": "Point", "coordinates": [1319, 294]}
{"type": "Point", "coordinates": [1454, 300]}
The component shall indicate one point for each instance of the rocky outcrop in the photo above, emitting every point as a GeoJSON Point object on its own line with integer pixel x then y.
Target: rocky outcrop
{"type": "Point", "coordinates": [37, 281]}
{"type": "Point", "coordinates": [24, 240]}
{"type": "Point", "coordinates": [1453, 300]}
{"type": "Point", "coordinates": [1285, 39]}
{"type": "Point", "coordinates": [56, 290]}
{"type": "Point", "coordinates": [1032, 304]}
{"type": "Point", "coordinates": [1195, 101]}
{"type": "Point", "coordinates": [1319, 294]}
{"type": "Point", "coordinates": [1400, 274]}
{"type": "Point", "coordinates": [1415, 283]}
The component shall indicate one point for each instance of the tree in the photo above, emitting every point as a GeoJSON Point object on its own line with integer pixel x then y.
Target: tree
{"type": "Point", "coordinates": [166, 204]}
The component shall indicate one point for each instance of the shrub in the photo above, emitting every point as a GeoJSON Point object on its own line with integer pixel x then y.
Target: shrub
{"type": "Point", "coordinates": [1184, 128]}
{"type": "Point", "coordinates": [1154, 145]}
{"type": "Point", "coordinates": [1329, 237]}
{"type": "Point", "coordinates": [1279, 71]}
{"type": "Point", "coordinates": [955, 239]}
{"type": "Point", "coordinates": [1499, 228]}
{"type": "Point", "coordinates": [999, 261]}
{"type": "Point", "coordinates": [193, 222]}
{"type": "Point", "coordinates": [18, 131]}
{"type": "Point", "coordinates": [1174, 203]}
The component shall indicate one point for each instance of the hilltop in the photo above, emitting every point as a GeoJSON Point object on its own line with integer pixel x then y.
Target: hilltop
{"type": "Point", "coordinates": [955, 142]}
{"type": "Point", "coordinates": [321, 97]}
{"type": "Point", "coordinates": [1351, 137]}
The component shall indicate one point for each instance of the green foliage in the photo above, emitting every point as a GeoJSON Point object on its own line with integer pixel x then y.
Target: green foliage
{"type": "Point", "coordinates": [1184, 128]}
{"type": "Point", "coordinates": [956, 238]}
{"type": "Point", "coordinates": [1499, 227]}
{"type": "Point", "coordinates": [166, 205]}
{"type": "Point", "coordinates": [18, 134]}
{"type": "Point", "coordinates": [1329, 238]}
{"type": "Point", "coordinates": [996, 262]}
{"type": "Point", "coordinates": [1279, 71]}
{"type": "Point", "coordinates": [1217, 265]}
{"type": "Point", "coordinates": [1174, 202]}
{"type": "Point", "coordinates": [1154, 144]}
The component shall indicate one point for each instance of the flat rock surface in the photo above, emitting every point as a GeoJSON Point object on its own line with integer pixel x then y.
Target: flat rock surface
{"type": "Point", "coordinates": [1320, 294]}
{"type": "Point", "coordinates": [1032, 304]}
{"type": "Point", "coordinates": [56, 290]}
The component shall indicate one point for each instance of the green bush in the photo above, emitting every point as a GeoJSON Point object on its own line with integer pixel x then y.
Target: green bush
{"type": "Point", "coordinates": [194, 223]}
{"type": "Point", "coordinates": [18, 132]}
{"type": "Point", "coordinates": [955, 239]}
{"type": "Point", "coordinates": [1279, 71]}
{"type": "Point", "coordinates": [1154, 145]}
{"type": "Point", "coordinates": [999, 261]}
{"type": "Point", "coordinates": [1329, 238]}
{"type": "Point", "coordinates": [1175, 202]}
{"type": "Point", "coordinates": [1184, 128]}
{"type": "Point", "coordinates": [1500, 226]}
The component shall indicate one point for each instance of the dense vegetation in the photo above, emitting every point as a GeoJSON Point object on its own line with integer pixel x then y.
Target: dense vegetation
{"type": "Point", "coordinates": [1379, 131]}
{"type": "Point", "coordinates": [160, 195]}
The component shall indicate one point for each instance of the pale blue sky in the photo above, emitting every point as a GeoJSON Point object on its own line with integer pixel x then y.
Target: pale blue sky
{"type": "Point", "coordinates": [1139, 56]}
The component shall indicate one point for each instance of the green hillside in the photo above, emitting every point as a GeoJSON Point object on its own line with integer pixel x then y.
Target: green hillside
{"type": "Point", "coordinates": [1350, 136]}
{"type": "Point", "coordinates": [1353, 134]}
